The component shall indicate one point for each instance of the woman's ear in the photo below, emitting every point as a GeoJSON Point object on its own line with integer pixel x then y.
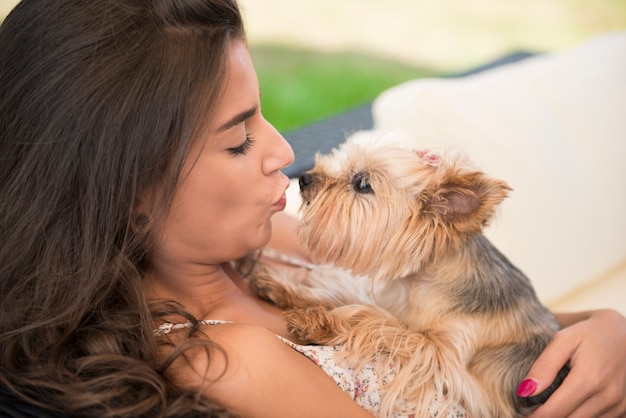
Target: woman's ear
{"type": "Point", "coordinates": [141, 223]}
{"type": "Point", "coordinates": [142, 219]}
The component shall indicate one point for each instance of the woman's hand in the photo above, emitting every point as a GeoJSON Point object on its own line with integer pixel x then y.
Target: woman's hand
{"type": "Point", "coordinates": [594, 344]}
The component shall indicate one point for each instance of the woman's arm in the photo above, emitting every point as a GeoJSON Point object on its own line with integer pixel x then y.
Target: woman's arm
{"type": "Point", "coordinates": [594, 344]}
{"type": "Point", "coordinates": [263, 377]}
{"type": "Point", "coordinates": [570, 318]}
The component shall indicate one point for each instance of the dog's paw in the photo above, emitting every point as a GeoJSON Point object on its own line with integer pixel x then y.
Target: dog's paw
{"type": "Point", "coordinates": [266, 287]}
{"type": "Point", "coordinates": [311, 325]}
{"type": "Point", "coordinates": [260, 286]}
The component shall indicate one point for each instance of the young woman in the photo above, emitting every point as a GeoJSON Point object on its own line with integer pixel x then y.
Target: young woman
{"type": "Point", "coordinates": [135, 167]}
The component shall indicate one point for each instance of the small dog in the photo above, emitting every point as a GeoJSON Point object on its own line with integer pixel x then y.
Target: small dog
{"type": "Point", "coordinates": [427, 288]}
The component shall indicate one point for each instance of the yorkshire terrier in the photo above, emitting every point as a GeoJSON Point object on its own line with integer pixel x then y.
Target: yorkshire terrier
{"type": "Point", "coordinates": [427, 288]}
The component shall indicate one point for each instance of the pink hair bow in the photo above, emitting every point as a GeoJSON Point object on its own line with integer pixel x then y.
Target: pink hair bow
{"type": "Point", "coordinates": [429, 158]}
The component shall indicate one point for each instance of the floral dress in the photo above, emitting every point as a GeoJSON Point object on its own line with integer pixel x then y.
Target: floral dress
{"type": "Point", "coordinates": [363, 384]}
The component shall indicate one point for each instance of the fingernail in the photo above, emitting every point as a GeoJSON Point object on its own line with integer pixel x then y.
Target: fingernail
{"type": "Point", "coordinates": [527, 388]}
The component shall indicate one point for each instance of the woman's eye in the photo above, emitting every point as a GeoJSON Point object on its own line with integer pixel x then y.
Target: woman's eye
{"type": "Point", "coordinates": [244, 147]}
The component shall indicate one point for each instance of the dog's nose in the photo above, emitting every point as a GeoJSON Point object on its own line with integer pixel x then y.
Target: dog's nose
{"type": "Point", "coordinates": [305, 181]}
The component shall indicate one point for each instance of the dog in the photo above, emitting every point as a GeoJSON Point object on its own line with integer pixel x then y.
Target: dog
{"type": "Point", "coordinates": [412, 277]}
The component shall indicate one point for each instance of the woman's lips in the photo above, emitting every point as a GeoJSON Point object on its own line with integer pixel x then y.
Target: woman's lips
{"type": "Point", "coordinates": [280, 203]}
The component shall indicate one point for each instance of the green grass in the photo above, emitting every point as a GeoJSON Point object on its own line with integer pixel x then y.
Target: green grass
{"type": "Point", "coordinates": [301, 86]}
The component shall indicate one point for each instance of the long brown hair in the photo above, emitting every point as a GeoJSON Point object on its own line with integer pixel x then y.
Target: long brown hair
{"type": "Point", "coordinates": [99, 102]}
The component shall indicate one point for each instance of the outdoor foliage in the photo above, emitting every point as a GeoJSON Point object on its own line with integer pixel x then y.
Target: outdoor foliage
{"type": "Point", "coordinates": [301, 86]}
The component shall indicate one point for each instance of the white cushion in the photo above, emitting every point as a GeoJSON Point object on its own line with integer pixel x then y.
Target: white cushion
{"type": "Point", "coordinates": [607, 292]}
{"type": "Point", "coordinates": [554, 127]}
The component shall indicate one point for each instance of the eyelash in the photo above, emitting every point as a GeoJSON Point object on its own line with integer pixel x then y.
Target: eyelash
{"type": "Point", "coordinates": [243, 148]}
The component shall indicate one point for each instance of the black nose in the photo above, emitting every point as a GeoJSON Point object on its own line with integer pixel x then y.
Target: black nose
{"type": "Point", "coordinates": [305, 180]}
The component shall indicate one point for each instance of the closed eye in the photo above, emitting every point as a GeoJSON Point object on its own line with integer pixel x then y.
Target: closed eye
{"type": "Point", "coordinates": [244, 147]}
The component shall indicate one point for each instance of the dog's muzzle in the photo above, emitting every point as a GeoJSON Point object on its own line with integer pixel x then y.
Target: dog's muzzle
{"type": "Point", "coordinates": [307, 189]}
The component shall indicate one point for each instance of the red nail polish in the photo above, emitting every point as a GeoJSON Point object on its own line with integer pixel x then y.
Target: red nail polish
{"type": "Point", "coordinates": [527, 388]}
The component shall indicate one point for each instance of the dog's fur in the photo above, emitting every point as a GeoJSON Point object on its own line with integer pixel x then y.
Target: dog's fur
{"type": "Point", "coordinates": [442, 301]}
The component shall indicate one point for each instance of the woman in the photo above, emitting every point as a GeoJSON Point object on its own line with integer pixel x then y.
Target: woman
{"type": "Point", "coordinates": [135, 167]}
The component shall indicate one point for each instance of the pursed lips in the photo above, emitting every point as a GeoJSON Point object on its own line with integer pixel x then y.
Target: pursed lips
{"type": "Point", "coordinates": [282, 200]}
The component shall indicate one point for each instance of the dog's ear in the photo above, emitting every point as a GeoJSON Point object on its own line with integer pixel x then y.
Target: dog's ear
{"type": "Point", "coordinates": [465, 200]}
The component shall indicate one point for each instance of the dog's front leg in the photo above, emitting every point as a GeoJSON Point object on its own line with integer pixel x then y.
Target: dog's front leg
{"type": "Point", "coordinates": [370, 334]}
{"type": "Point", "coordinates": [279, 286]}
{"type": "Point", "coordinates": [302, 288]}
{"type": "Point", "coordinates": [352, 324]}
{"type": "Point", "coordinates": [314, 325]}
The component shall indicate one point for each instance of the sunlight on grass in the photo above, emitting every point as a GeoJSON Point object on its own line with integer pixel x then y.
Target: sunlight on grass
{"type": "Point", "coordinates": [300, 86]}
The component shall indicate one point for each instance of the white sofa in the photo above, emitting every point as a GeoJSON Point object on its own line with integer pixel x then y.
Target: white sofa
{"type": "Point", "coordinates": [554, 127]}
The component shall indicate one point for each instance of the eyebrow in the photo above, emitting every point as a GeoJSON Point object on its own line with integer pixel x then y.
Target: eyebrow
{"type": "Point", "coordinates": [238, 118]}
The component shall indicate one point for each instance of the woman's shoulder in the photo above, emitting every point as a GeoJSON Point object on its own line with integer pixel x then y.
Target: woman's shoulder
{"type": "Point", "coordinates": [254, 373]}
{"type": "Point", "coordinates": [230, 343]}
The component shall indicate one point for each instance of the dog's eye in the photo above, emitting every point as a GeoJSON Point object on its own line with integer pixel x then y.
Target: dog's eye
{"type": "Point", "coordinates": [361, 183]}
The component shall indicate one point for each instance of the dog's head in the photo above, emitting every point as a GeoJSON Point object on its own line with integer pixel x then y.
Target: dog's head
{"type": "Point", "coordinates": [380, 208]}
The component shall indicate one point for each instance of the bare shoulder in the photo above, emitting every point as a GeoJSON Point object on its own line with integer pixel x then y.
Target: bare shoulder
{"type": "Point", "coordinates": [257, 375]}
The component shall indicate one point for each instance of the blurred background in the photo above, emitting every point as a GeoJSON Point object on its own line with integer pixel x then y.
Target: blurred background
{"type": "Point", "coordinates": [316, 58]}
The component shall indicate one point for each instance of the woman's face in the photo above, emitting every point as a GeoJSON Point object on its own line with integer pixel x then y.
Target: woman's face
{"type": "Point", "coordinates": [231, 183]}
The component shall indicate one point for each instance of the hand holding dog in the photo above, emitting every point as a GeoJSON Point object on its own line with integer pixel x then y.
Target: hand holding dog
{"type": "Point", "coordinates": [588, 391]}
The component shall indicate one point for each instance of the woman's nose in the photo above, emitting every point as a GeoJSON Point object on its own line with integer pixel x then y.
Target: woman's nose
{"type": "Point", "coordinates": [280, 154]}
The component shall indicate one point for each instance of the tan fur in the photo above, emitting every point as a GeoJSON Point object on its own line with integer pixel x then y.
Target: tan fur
{"type": "Point", "coordinates": [457, 316]}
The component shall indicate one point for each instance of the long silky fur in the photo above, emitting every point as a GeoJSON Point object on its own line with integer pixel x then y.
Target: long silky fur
{"type": "Point", "coordinates": [462, 324]}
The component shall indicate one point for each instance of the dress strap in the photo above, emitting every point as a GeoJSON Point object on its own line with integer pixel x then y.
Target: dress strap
{"type": "Point", "coordinates": [168, 327]}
